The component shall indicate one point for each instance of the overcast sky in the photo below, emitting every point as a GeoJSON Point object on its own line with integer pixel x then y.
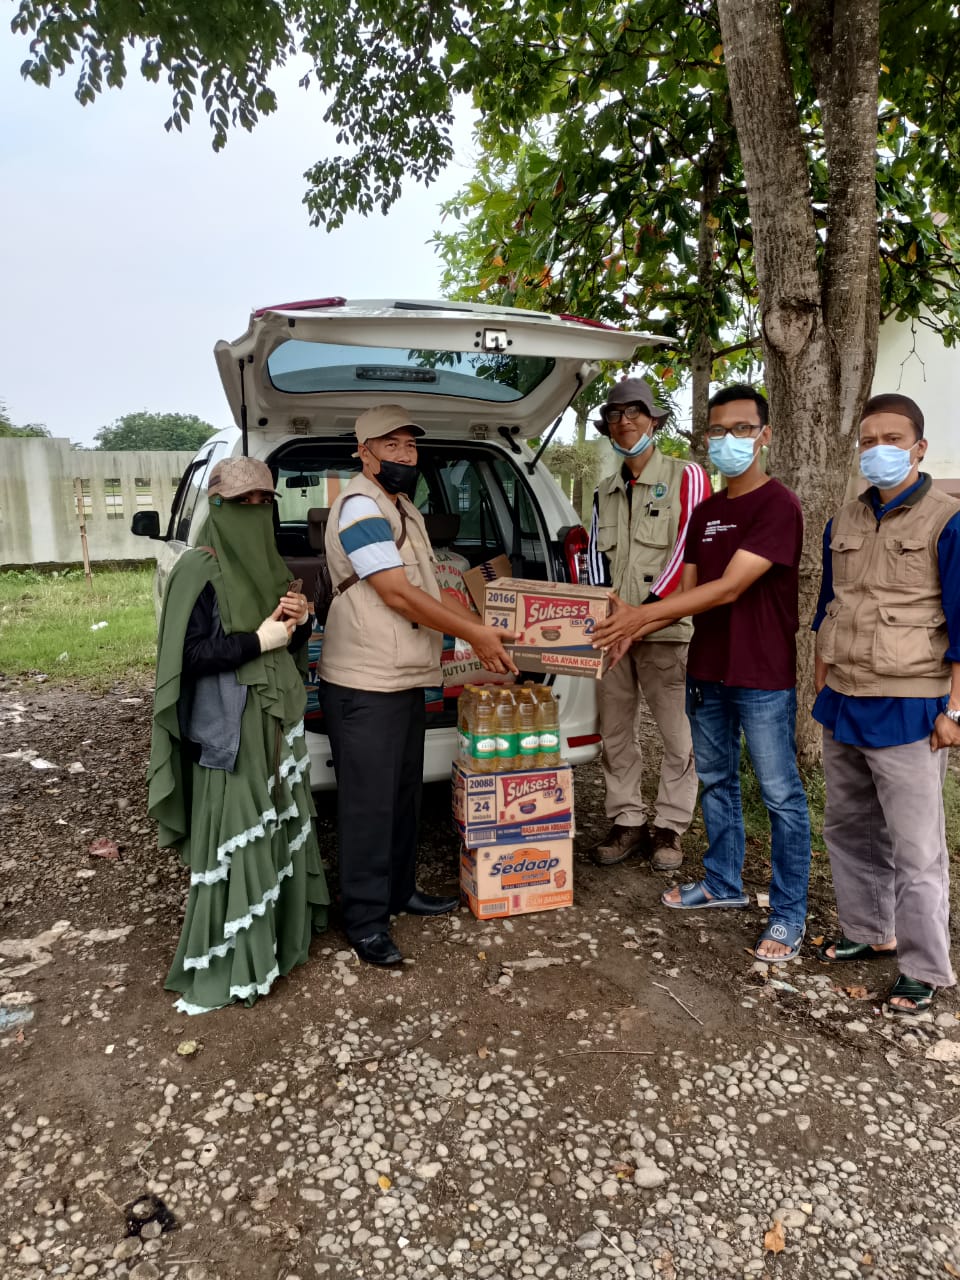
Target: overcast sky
{"type": "Point", "coordinates": [126, 252]}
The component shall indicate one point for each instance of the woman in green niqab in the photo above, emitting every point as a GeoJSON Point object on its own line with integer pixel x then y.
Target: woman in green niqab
{"type": "Point", "coordinates": [229, 781]}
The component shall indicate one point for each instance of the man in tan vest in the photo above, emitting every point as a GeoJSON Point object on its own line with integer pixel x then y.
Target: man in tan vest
{"type": "Point", "coordinates": [637, 539]}
{"type": "Point", "coordinates": [381, 649]}
{"type": "Point", "coordinates": [888, 697]}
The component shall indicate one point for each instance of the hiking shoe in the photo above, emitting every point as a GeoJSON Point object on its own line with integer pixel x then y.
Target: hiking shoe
{"type": "Point", "coordinates": [620, 843]}
{"type": "Point", "coordinates": [667, 853]}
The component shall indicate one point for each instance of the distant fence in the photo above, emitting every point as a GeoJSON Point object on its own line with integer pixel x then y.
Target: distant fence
{"type": "Point", "coordinates": [39, 519]}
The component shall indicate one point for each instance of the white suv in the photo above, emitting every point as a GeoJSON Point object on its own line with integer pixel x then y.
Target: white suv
{"type": "Point", "coordinates": [481, 380]}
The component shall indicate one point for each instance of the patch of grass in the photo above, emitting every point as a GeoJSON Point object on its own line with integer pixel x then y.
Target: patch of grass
{"type": "Point", "coordinates": [46, 621]}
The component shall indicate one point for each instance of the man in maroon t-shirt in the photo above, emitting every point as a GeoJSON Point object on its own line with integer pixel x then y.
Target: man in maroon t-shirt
{"type": "Point", "coordinates": [740, 584]}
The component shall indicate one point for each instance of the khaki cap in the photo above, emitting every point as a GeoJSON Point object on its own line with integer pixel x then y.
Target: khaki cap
{"type": "Point", "coordinates": [234, 477]}
{"type": "Point", "coordinates": [382, 420]}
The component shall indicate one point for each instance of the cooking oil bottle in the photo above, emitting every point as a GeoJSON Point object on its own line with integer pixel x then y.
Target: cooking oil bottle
{"type": "Point", "coordinates": [484, 743]}
{"type": "Point", "coordinates": [548, 724]}
{"type": "Point", "coordinates": [527, 726]}
{"type": "Point", "coordinates": [508, 741]}
{"type": "Point", "coordinates": [465, 704]}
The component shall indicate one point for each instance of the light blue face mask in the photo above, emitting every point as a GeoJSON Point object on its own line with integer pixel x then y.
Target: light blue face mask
{"type": "Point", "coordinates": [886, 465]}
{"type": "Point", "coordinates": [731, 456]}
{"type": "Point", "coordinates": [643, 443]}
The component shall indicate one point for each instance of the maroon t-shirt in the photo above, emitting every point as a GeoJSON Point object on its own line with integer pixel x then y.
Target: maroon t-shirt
{"type": "Point", "coordinates": [752, 643]}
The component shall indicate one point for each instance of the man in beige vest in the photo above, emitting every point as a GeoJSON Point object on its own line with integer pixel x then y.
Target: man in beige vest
{"type": "Point", "coordinates": [381, 649]}
{"type": "Point", "coordinates": [637, 539]}
{"type": "Point", "coordinates": [888, 697]}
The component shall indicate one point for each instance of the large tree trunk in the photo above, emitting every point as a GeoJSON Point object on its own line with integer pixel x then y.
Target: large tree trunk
{"type": "Point", "coordinates": [819, 324]}
{"type": "Point", "coordinates": [701, 361]}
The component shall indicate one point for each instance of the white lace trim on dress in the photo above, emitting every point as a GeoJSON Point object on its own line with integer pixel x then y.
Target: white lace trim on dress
{"type": "Point", "coordinates": [233, 927]}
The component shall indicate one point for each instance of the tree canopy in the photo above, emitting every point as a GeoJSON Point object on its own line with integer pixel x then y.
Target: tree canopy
{"type": "Point", "coordinates": [154, 431]}
{"type": "Point", "coordinates": [7, 428]}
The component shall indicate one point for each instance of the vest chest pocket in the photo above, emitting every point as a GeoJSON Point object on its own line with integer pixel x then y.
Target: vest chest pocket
{"type": "Point", "coordinates": [653, 526]}
{"type": "Point", "coordinates": [847, 556]}
{"type": "Point", "coordinates": [911, 640]}
{"type": "Point", "coordinates": [905, 562]}
{"type": "Point", "coordinates": [606, 537]}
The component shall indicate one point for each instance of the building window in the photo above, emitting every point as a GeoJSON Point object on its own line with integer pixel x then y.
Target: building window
{"type": "Point", "coordinates": [113, 499]}
{"type": "Point", "coordinates": [87, 500]}
{"type": "Point", "coordinates": [144, 492]}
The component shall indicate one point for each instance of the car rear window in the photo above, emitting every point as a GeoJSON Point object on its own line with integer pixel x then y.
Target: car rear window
{"type": "Point", "coordinates": [301, 368]}
{"type": "Point", "coordinates": [493, 510]}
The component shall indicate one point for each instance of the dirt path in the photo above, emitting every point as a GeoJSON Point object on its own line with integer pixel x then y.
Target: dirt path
{"type": "Point", "coordinates": [500, 1122]}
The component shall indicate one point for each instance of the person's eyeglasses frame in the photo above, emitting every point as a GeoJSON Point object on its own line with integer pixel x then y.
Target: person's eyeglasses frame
{"type": "Point", "coordinates": [739, 431]}
{"type": "Point", "coordinates": [624, 412]}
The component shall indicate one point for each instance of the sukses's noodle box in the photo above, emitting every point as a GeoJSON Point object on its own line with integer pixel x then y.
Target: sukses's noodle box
{"type": "Point", "coordinates": [554, 623]}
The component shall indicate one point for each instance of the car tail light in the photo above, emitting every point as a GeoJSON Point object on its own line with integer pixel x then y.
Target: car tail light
{"type": "Point", "coordinates": [316, 304]}
{"type": "Point", "coordinates": [575, 545]}
{"type": "Point", "coordinates": [584, 740]}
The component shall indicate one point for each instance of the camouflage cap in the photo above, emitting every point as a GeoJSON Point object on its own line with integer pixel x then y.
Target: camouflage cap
{"type": "Point", "coordinates": [234, 477]}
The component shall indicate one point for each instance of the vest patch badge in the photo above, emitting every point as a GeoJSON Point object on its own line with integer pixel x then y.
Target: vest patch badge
{"type": "Point", "coordinates": [659, 490]}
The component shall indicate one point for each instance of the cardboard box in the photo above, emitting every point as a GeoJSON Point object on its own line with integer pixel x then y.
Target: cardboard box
{"type": "Point", "coordinates": [553, 621]}
{"type": "Point", "coordinates": [477, 579]}
{"type": "Point", "coordinates": [515, 879]}
{"type": "Point", "coordinates": [503, 808]}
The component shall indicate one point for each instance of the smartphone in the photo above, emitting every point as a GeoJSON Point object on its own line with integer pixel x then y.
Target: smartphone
{"type": "Point", "coordinates": [295, 587]}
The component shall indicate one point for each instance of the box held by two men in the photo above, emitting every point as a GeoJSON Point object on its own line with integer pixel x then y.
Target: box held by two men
{"type": "Point", "coordinates": [554, 623]}
{"type": "Point", "coordinates": [503, 808]}
{"type": "Point", "coordinates": [515, 879]}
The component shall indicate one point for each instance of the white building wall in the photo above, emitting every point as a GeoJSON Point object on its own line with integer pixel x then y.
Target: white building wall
{"type": "Point", "coordinates": [912, 359]}
{"type": "Point", "coordinates": [39, 523]}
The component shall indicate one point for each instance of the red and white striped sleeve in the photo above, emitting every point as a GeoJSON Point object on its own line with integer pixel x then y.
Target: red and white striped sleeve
{"type": "Point", "coordinates": [694, 487]}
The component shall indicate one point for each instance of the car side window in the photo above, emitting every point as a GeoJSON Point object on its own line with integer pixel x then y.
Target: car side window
{"type": "Point", "coordinates": [192, 484]}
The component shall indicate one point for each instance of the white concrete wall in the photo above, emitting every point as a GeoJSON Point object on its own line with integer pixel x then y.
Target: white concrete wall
{"type": "Point", "coordinates": [914, 361]}
{"type": "Point", "coordinates": [38, 512]}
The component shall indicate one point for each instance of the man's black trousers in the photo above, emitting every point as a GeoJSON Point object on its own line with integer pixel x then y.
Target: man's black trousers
{"type": "Point", "coordinates": [377, 745]}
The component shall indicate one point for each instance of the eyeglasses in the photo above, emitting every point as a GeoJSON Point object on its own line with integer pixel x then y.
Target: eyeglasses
{"type": "Point", "coordinates": [629, 411]}
{"type": "Point", "coordinates": [739, 431]}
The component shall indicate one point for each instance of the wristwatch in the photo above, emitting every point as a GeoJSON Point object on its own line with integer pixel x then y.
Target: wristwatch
{"type": "Point", "coordinates": [952, 715]}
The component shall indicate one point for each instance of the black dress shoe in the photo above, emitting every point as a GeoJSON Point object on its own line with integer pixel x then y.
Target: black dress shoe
{"type": "Point", "coordinates": [379, 949]}
{"type": "Point", "coordinates": [428, 904]}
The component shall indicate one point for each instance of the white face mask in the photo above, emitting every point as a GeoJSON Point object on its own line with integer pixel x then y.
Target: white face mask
{"type": "Point", "coordinates": [643, 443]}
{"type": "Point", "coordinates": [886, 465]}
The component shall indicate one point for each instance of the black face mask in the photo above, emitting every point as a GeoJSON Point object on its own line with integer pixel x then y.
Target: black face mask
{"type": "Point", "coordinates": [398, 477]}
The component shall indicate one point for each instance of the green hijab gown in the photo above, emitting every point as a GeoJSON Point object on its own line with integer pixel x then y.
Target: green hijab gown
{"type": "Point", "coordinates": [257, 887]}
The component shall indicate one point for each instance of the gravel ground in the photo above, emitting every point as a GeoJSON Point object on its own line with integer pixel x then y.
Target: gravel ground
{"type": "Point", "coordinates": [604, 1091]}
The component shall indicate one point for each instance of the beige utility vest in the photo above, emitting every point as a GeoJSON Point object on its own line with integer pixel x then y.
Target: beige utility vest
{"type": "Point", "coordinates": [884, 634]}
{"type": "Point", "coordinates": [638, 538]}
{"type": "Point", "coordinates": [367, 645]}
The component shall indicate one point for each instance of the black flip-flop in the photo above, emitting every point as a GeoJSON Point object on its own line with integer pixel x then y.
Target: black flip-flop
{"type": "Point", "coordinates": [920, 993]}
{"type": "Point", "coordinates": [846, 950]}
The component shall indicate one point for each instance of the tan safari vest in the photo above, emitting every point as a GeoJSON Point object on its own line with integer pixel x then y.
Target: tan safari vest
{"type": "Point", "coordinates": [638, 539]}
{"type": "Point", "coordinates": [367, 645]}
{"type": "Point", "coordinates": [884, 634]}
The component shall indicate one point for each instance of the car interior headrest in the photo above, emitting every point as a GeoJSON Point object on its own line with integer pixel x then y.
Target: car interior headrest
{"type": "Point", "coordinates": [442, 527]}
{"type": "Point", "coordinates": [317, 526]}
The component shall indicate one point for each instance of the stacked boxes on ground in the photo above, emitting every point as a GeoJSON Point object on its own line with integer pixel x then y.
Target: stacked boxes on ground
{"type": "Point", "coordinates": [517, 833]}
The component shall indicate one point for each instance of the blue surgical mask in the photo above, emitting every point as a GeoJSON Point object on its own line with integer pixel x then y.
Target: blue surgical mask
{"type": "Point", "coordinates": [731, 456]}
{"type": "Point", "coordinates": [886, 465]}
{"type": "Point", "coordinates": [643, 443]}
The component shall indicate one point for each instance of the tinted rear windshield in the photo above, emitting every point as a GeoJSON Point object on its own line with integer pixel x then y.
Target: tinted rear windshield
{"type": "Point", "coordinates": [310, 367]}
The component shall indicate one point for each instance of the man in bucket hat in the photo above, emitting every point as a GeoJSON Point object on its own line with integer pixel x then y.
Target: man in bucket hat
{"type": "Point", "coordinates": [637, 538]}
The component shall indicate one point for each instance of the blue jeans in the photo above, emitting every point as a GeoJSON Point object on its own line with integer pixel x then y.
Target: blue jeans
{"type": "Point", "coordinates": [766, 717]}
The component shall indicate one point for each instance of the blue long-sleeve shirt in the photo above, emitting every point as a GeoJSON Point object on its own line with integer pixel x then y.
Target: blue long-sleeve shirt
{"type": "Point", "coordinates": [891, 722]}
